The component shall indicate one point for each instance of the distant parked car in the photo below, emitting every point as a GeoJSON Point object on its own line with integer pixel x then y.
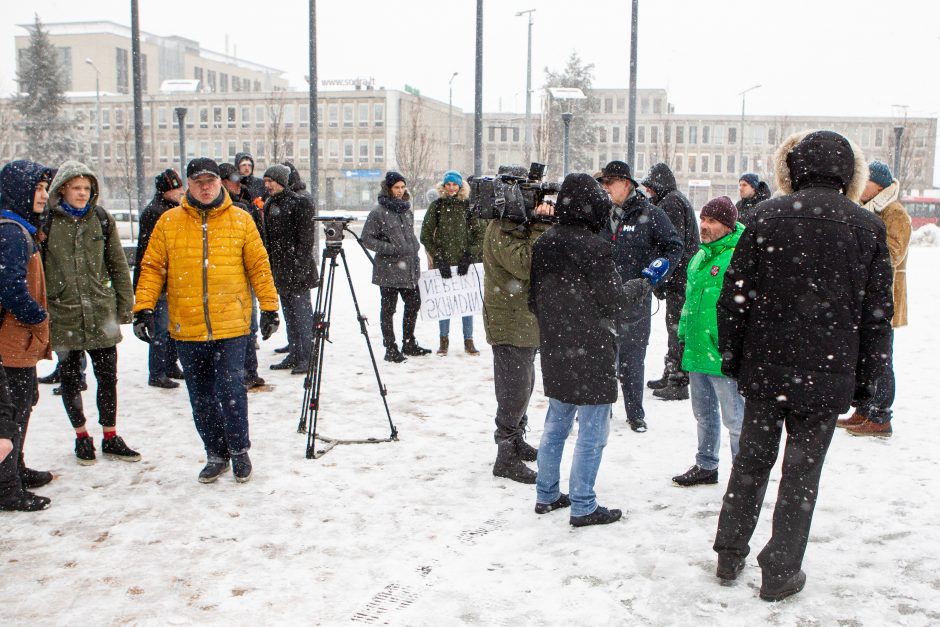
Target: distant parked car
{"type": "Point", "coordinates": [122, 217]}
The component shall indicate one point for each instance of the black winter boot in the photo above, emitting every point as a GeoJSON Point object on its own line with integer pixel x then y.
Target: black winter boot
{"type": "Point", "coordinates": [115, 448]}
{"type": "Point", "coordinates": [509, 465]}
{"type": "Point", "coordinates": [24, 501]}
{"type": "Point", "coordinates": [241, 467]}
{"type": "Point", "coordinates": [410, 347]}
{"type": "Point", "coordinates": [212, 471]}
{"type": "Point", "coordinates": [394, 355]}
{"type": "Point", "coordinates": [600, 516]}
{"type": "Point", "coordinates": [677, 388]}
{"type": "Point", "coordinates": [660, 383]}
{"type": "Point", "coordinates": [32, 478]}
{"type": "Point", "coordinates": [526, 451]}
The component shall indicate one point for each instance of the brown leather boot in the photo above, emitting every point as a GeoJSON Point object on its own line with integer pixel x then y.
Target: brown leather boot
{"type": "Point", "coordinates": [852, 421]}
{"type": "Point", "coordinates": [869, 428]}
{"type": "Point", "coordinates": [445, 344]}
{"type": "Point", "coordinates": [470, 348]}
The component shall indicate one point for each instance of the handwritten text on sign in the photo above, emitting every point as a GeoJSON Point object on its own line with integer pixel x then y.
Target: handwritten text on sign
{"type": "Point", "coordinates": [456, 297]}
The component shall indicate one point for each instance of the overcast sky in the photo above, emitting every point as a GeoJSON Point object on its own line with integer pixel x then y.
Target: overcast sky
{"type": "Point", "coordinates": [824, 57]}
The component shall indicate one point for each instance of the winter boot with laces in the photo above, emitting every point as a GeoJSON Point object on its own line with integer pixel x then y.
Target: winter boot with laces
{"type": "Point", "coordinates": [526, 451]}
{"type": "Point", "coordinates": [115, 448]}
{"type": "Point", "coordinates": [85, 450]}
{"type": "Point", "coordinates": [852, 421]}
{"type": "Point", "coordinates": [445, 344]}
{"type": "Point", "coordinates": [676, 389]}
{"type": "Point", "coordinates": [509, 465]}
{"type": "Point", "coordinates": [410, 347]}
{"type": "Point", "coordinates": [394, 355]}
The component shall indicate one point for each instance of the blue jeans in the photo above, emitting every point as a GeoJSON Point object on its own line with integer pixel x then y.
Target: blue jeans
{"type": "Point", "coordinates": [215, 379]}
{"type": "Point", "coordinates": [298, 317]}
{"type": "Point", "coordinates": [163, 348]}
{"type": "Point", "coordinates": [709, 394]}
{"type": "Point", "coordinates": [879, 409]}
{"type": "Point", "coordinates": [593, 429]}
{"type": "Point", "coordinates": [467, 327]}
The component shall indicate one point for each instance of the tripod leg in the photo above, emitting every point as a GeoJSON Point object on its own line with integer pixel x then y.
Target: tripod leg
{"type": "Point", "coordinates": [315, 349]}
{"type": "Point", "coordinates": [383, 392]}
{"type": "Point", "coordinates": [316, 360]}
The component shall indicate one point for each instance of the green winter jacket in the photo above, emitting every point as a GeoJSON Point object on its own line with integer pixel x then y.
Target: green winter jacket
{"type": "Point", "coordinates": [698, 325]}
{"type": "Point", "coordinates": [449, 232]}
{"type": "Point", "coordinates": [90, 294]}
{"type": "Point", "coordinates": [507, 261]}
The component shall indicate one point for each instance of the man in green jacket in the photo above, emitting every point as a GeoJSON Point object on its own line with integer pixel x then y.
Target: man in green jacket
{"type": "Point", "coordinates": [711, 391]}
{"type": "Point", "coordinates": [513, 332]}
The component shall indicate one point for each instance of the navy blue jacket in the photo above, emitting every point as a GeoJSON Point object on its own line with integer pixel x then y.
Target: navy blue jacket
{"type": "Point", "coordinates": [18, 181]}
{"type": "Point", "coordinates": [643, 234]}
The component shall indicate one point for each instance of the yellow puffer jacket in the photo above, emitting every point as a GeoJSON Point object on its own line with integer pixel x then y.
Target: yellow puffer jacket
{"type": "Point", "coordinates": [206, 260]}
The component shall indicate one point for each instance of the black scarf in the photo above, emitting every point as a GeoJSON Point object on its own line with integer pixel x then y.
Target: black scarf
{"type": "Point", "coordinates": [215, 204]}
{"type": "Point", "coordinates": [398, 205]}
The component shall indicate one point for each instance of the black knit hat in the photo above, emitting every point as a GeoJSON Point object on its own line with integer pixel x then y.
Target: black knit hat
{"type": "Point", "coordinates": [230, 172]}
{"type": "Point", "coordinates": [392, 177]}
{"type": "Point", "coordinates": [201, 166]}
{"type": "Point", "coordinates": [167, 180]}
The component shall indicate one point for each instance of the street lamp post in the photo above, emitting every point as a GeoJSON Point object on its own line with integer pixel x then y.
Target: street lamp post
{"type": "Point", "coordinates": [450, 122]}
{"type": "Point", "coordinates": [898, 132]}
{"type": "Point", "coordinates": [528, 90]}
{"type": "Point", "coordinates": [631, 114]}
{"type": "Point", "coordinates": [97, 107]}
{"type": "Point", "coordinates": [566, 96]}
{"type": "Point", "coordinates": [741, 129]}
{"type": "Point", "coordinates": [181, 116]}
{"type": "Point", "coordinates": [478, 96]}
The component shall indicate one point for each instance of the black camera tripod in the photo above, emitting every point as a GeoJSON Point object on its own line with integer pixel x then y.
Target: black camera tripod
{"type": "Point", "coordinates": [310, 408]}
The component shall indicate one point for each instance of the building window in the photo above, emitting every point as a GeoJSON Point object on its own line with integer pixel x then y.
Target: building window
{"type": "Point", "coordinates": [657, 106]}
{"type": "Point", "coordinates": [230, 117]}
{"type": "Point", "coordinates": [107, 150]}
{"type": "Point", "coordinates": [641, 134]}
{"type": "Point", "coordinates": [347, 116]}
{"type": "Point", "coordinates": [246, 117]}
{"type": "Point", "coordinates": [363, 115]}
{"type": "Point", "coordinates": [363, 151]}
{"type": "Point", "coordinates": [333, 152]}
{"type": "Point", "coordinates": [259, 116]}
{"type": "Point", "coordinates": [644, 106]}
{"type": "Point", "coordinates": [678, 163]}
{"type": "Point", "coordinates": [654, 135]}
{"type": "Point", "coordinates": [256, 86]}
{"type": "Point", "coordinates": [515, 133]}
{"type": "Point", "coordinates": [320, 112]}
{"type": "Point", "coordinates": [161, 117]}
{"type": "Point", "coordinates": [602, 134]}
{"type": "Point", "coordinates": [692, 164]}
{"type": "Point", "coordinates": [118, 117]}
{"type": "Point", "coordinates": [608, 105]}
{"type": "Point", "coordinates": [772, 136]}
{"type": "Point", "coordinates": [717, 162]}
{"type": "Point", "coordinates": [197, 74]}
{"type": "Point", "coordinates": [246, 147]}
{"type": "Point", "coordinates": [106, 118]}
{"type": "Point", "coordinates": [231, 150]}
{"type": "Point", "coordinates": [620, 102]}
{"type": "Point", "coordinates": [693, 134]}
{"type": "Point", "coordinates": [122, 67]}
{"type": "Point", "coordinates": [378, 148]}
{"type": "Point", "coordinates": [289, 148]}
{"type": "Point", "coordinates": [334, 115]}
{"type": "Point", "coordinates": [210, 80]}
{"type": "Point", "coordinates": [223, 82]}
{"type": "Point", "coordinates": [203, 117]}
{"type": "Point", "coordinates": [164, 151]}
{"type": "Point", "coordinates": [680, 134]}
{"type": "Point", "coordinates": [259, 150]}
{"type": "Point", "coordinates": [718, 135]}
{"type": "Point", "coordinates": [503, 134]}
{"type": "Point", "coordinates": [288, 115]}
{"type": "Point", "coordinates": [203, 149]}
{"type": "Point", "coordinates": [730, 162]}
{"type": "Point", "coordinates": [216, 117]}
{"type": "Point", "coordinates": [744, 163]}
{"type": "Point", "coordinates": [640, 162]}
{"type": "Point", "coordinates": [347, 151]}
{"type": "Point", "coordinates": [615, 134]}
{"type": "Point", "coordinates": [705, 134]}
{"type": "Point", "coordinates": [143, 73]}
{"type": "Point", "coordinates": [704, 164]}
{"type": "Point", "coordinates": [303, 116]}
{"type": "Point", "coordinates": [491, 133]}
{"type": "Point", "coordinates": [217, 146]}
{"type": "Point", "coordinates": [378, 114]}
{"type": "Point", "coordinates": [491, 162]}
{"type": "Point", "coordinates": [732, 136]}
{"type": "Point", "coordinates": [879, 137]}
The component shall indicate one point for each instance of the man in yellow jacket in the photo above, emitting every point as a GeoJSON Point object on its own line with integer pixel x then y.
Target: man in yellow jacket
{"type": "Point", "coordinates": [206, 251]}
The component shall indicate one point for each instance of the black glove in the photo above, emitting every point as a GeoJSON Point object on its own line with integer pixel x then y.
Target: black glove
{"type": "Point", "coordinates": [144, 326]}
{"type": "Point", "coordinates": [464, 265]}
{"type": "Point", "coordinates": [636, 291]}
{"type": "Point", "coordinates": [443, 267]}
{"type": "Point", "coordinates": [268, 324]}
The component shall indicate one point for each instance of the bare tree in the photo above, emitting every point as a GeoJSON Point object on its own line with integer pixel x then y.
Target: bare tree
{"type": "Point", "coordinates": [414, 151]}
{"type": "Point", "coordinates": [9, 135]}
{"type": "Point", "coordinates": [913, 155]}
{"type": "Point", "coordinates": [277, 133]}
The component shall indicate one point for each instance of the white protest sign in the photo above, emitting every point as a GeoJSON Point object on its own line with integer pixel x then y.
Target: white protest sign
{"type": "Point", "coordinates": [458, 296]}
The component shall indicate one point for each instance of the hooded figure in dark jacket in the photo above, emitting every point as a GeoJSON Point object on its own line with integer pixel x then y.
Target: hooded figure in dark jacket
{"type": "Point", "coordinates": [246, 168]}
{"type": "Point", "coordinates": [804, 325]}
{"type": "Point", "coordinates": [579, 300]}
{"type": "Point", "coordinates": [24, 326]}
{"type": "Point", "coordinates": [661, 183]}
{"type": "Point", "coordinates": [753, 192]}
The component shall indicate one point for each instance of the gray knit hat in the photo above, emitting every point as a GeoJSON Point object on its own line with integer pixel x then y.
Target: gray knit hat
{"type": "Point", "coordinates": [278, 173]}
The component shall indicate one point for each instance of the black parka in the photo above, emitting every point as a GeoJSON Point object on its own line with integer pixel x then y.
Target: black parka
{"type": "Point", "coordinates": [148, 219]}
{"type": "Point", "coordinates": [641, 235]}
{"type": "Point", "coordinates": [746, 206]}
{"type": "Point", "coordinates": [804, 316]}
{"type": "Point", "coordinates": [290, 232]}
{"type": "Point", "coordinates": [680, 212]}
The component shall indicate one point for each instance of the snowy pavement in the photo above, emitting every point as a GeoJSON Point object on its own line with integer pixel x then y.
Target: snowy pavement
{"type": "Point", "coordinates": [419, 532]}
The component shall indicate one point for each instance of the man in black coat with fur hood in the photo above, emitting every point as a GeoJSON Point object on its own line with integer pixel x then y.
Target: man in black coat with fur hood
{"type": "Point", "coordinates": [664, 193]}
{"type": "Point", "coordinates": [804, 325]}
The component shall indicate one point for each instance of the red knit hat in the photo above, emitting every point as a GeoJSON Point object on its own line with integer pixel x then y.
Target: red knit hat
{"type": "Point", "coordinates": [722, 210]}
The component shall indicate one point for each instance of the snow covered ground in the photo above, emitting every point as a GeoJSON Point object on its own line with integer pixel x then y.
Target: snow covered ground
{"type": "Point", "coordinates": [418, 532]}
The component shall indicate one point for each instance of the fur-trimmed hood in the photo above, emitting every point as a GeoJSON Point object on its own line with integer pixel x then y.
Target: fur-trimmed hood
{"type": "Point", "coordinates": [820, 156]}
{"type": "Point", "coordinates": [462, 194]}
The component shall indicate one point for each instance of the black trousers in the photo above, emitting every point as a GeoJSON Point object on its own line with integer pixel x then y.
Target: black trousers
{"type": "Point", "coordinates": [412, 299]}
{"type": "Point", "coordinates": [104, 364]}
{"type": "Point", "coordinates": [19, 391]}
{"type": "Point", "coordinates": [808, 438]}
{"type": "Point", "coordinates": [514, 380]}
{"type": "Point", "coordinates": [673, 360]}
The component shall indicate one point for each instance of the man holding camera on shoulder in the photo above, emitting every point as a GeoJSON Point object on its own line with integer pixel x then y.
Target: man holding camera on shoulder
{"type": "Point", "coordinates": [512, 331]}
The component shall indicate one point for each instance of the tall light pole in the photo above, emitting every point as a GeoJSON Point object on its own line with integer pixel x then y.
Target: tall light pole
{"type": "Point", "coordinates": [478, 97]}
{"type": "Point", "coordinates": [97, 107]}
{"type": "Point", "coordinates": [741, 130]}
{"type": "Point", "coordinates": [138, 103]}
{"type": "Point", "coordinates": [898, 135]}
{"type": "Point", "coordinates": [631, 115]}
{"type": "Point", "coordinates": [314, 117]}
{"type": "Point", "coordinates": [528, 91]}
{"type": "Point", "coordinates": [566, 96]}
{"type": "Point", "coordinates": [181, 116]}
{"type": "Point", "coordinates": [450, 122]}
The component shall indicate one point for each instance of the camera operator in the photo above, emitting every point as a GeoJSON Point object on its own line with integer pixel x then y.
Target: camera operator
{"type": "Point", "coordinates": [639, 232]}
{"type": "Point", "coordinates": [512, 331]}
